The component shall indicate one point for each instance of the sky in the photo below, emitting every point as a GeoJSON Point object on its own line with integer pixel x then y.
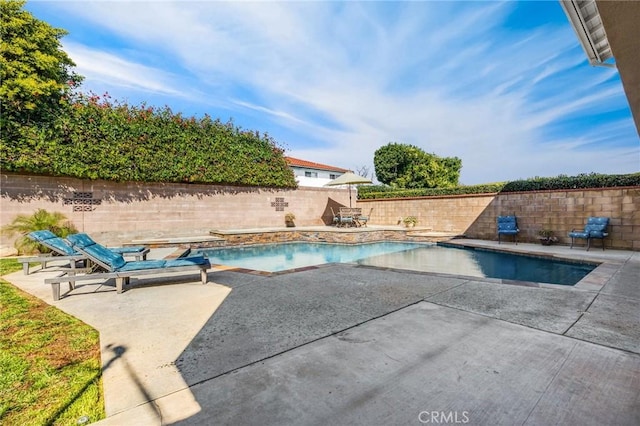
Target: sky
{"type": "Point", "coordinates": [503, 85]}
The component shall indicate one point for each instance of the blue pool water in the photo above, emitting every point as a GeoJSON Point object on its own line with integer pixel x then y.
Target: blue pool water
{"type": "Point", "coordinates": [281, 257]}
{"type": "Point", "coordinates": [401, 255]}
{"type": "Point", "coordinates": [484, 263]}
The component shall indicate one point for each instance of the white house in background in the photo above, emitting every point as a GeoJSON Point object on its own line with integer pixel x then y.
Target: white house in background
{"type": "Point", "coordinates": [309, 173]}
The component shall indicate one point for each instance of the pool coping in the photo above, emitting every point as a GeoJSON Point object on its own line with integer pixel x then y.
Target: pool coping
{"type": "Point", "coordinates": [608, 264]}
{"type": "Point", "coordinates": [594, 281]}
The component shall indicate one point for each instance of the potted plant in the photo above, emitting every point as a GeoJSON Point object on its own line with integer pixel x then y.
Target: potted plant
{"type": "Point", "coordinates": [410, 221]}
{"type": "Point", "coordinates": [547, 237]}
{"type": "Point", "coordinates": [288, 220]}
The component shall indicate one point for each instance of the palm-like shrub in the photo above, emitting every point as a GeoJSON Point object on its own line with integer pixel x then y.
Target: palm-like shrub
{"type": "Point", "coordinates": [55, 222]}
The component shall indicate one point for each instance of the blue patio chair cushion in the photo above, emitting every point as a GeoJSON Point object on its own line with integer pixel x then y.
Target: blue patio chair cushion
{"type": "Point", "coordinates": [128, 249]}
{"type": "Point", "coordinates": [142, 264]}
{"type": "Point", "coordinates": [61, 245]}
{"type": "Point", "coordinates": [52, 242]}
{"type": "Point", "coordinates": [596, 227]}
{"type": "Point", "coordinates": [84, 242]}
{"type": "Point", "coordinates": [106, 256]}
{"type": "Point", "coordinates": [80, 240]}
{"type": "Point", "coordinates": [507, 225]}
{"type": "Point", "coordinates": [164, 264]}
{"type": "Point", "coordinates": [42, 235]}
{"type": "Point", "coordinates": [579, 234]}
{"type": "Point", "coordinates": [187, 261]}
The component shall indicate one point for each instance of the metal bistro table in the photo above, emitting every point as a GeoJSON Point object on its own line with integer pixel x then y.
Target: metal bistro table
{"type": "Point", "coordinates": [349, 216]}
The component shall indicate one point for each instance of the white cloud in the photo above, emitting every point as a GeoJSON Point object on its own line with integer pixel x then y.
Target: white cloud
{"type": "Point", "coordinates": [111, 70]}
{"type": "Point", "coordinates": [349, 77]}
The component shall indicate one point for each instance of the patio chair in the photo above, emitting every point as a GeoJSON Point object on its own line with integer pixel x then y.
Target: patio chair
{"type": "Point", "coordinates": [345, 217]}
{"type": "Point", "coordinates": [62, 250]}
{"type": "Point", "coordinates": [596, 227]}
{"type": "Point", "coordinates": [109, 264]}
{"type": "Point", "coordinates": [336, 218]}
{"type": "Point", "coordinates": [508, 225]}
{"type": "Point", "coordinates": [362, 219]}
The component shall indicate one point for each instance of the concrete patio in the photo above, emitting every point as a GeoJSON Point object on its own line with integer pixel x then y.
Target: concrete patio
{"type": "Point", "coordinates": [346, 344]}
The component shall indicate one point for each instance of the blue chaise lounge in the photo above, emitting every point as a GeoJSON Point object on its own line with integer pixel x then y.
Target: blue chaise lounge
{"type": "Point", "coordinates": [112, 265]}
{"type": "Point", "coordinates": [62, 250]}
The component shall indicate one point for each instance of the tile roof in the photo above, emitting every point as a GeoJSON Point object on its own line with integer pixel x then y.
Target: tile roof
{"type": "Point", "coordinates": [311, 165]}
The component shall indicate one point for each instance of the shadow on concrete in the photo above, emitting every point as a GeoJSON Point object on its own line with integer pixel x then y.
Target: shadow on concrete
{"type": "Point", "coordinates": [119, 358]}
{"type": "Point", "coordinates": [304, 348]}
{"type": "Point", "coordinates": [130, 191]}
{"type": "Point", "coordinates": [265, 316]}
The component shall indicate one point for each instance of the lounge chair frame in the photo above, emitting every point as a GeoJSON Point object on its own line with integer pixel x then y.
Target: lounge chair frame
{"type": "Point", "coordinates": [121, 278]}
{"type": "Point", "coordinates": [64, 253]}
{"type": "Point", "coordinates": [46, 258]}
{"type": "Point", "coordinates": [102, 270]}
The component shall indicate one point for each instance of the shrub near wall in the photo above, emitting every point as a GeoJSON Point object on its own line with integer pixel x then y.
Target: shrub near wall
{"type": "Point", "coordinates": [586, 181]}
{"type": "Point", "coordinates": [559, 203]}
{"type": "Point", "coordinates": [561, 211]}
{"type": "Point", "coordinates": [373, 192]}
{"type": "Point", "coordinates": [124, 211]}
{"type": "Point", "coordinates": [101, 139]}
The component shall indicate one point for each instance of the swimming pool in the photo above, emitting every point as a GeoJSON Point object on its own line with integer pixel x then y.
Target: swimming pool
{"type": "Point", "coordinates": [285, 256]}
{"type": "Point", "coordinates": [402, 255]}
{"type": "Point", "coordinates": [485, 263]}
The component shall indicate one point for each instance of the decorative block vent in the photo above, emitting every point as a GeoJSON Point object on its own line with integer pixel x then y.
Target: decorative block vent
{"type": "Point", "coordinates": [82, 201]}
{"type": "Point", "coordinates": [279, 204]}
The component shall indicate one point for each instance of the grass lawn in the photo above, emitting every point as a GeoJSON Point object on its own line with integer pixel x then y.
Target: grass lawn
{"type": "Point", "coordinates": [50, 361]}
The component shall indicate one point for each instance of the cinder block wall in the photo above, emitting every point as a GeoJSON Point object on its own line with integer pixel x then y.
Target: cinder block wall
{"type": "Point", "coordinates": [117, 212]}
{"type": "Point", "coordinates": [451, 214]}
{"type": "Point", "coordinates": [560, 211]}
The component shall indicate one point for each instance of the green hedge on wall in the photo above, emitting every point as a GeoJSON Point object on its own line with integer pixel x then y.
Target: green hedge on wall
{"type": "Point", "coordinates": [381, 191]}
{"type": "Point", "coordinates": [100, 139]}
{"type": "Point", "coordinates": [591, 180]}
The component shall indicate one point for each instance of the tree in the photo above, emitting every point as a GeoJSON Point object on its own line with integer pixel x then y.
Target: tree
{"type": "Point", "coordinates": [35, 74]}
{"type": "Point", "coordinates": [362, 171]}
{"type": "Point", "coordinates": [47, 126]}
{"type": "Point", "coordinates": [407, 166]}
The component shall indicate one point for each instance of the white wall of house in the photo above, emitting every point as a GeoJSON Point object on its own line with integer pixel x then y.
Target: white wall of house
{"type": "Point", "coordinates": [314, 177]}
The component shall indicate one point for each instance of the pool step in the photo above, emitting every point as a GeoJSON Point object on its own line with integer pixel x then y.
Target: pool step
{"type": "Point", "coordinates": [432, 236]}
{"type": "Point", "coordinates": [181, 242]}
{"type": "Point", "coordinates": [330, 234]}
